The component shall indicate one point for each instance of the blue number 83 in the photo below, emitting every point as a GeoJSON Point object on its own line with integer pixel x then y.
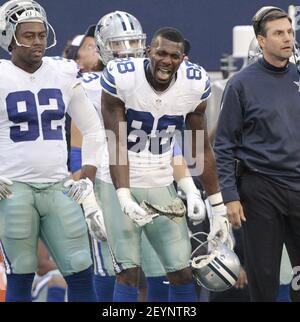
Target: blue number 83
{"type": "Point", "coordinates": [29, 114]}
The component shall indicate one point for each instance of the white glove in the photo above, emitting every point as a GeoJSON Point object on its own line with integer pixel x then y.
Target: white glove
{"type": "Point", "coordinates": [219, 225]}
{"type": "Point", "coordinates": [80, 189]}
{"type": "Point", "coordinates": [94, 217]}
{"type": "Point", "coordinates": [5, 192]}
{"type": "Point", "coordinates": [196, 209]}
{"type": "Point", "coordinates": [132, 209]}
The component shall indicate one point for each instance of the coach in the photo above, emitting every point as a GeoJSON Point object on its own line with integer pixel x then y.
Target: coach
{"type": "Point", "coordinates": [258, 154]}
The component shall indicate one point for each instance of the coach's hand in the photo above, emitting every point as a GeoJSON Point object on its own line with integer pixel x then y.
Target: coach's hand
{"type": "Point", "coordinates": [235, 213]}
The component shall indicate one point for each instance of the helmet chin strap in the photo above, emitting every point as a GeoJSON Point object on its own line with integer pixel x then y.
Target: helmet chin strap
{"type": "Point", "coordinates": [18, 44]}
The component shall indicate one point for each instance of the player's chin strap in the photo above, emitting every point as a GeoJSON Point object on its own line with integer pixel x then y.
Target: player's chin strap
{"type": "Point", "coordinates": [50, 46]}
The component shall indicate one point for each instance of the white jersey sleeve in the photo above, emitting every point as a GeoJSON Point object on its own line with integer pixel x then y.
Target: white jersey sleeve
{"type": "Point", "coordinates": [87, 120]}
{"type": "Point", "coordinates": [195, 82]}
{"type": "Point", "coordinates": [118, 78]}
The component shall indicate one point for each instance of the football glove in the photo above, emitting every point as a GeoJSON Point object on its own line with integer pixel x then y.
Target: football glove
{"type": "Point", "coordinates": [219, 224]}
{"type": "Point", "coordinates": [196, 209]}
{"type": "Point", "coordinates": [80, 189]}
{"type": "Point", "coordinates": [130, 208]}
{"type": "Point", "coordinates": [94, 217]}
{"type": "Point", "coordinates": [5, 192]}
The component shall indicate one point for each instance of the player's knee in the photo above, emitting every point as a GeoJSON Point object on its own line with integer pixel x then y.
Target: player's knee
{"type": "Point", "coordinates": [183, 276]}
{"type": "Point", "coordinates": [80, 261]}
{"type": "Point", "coordinates": [129, 277]}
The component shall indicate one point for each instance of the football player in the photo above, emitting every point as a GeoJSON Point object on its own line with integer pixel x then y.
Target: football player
{"type": "Point", "coordinates": [104, 278]}
{"type": "Point", "coordinates": [143, 102]}
{"type": "Point", "coordinates": [36, 197]}
{"type": "Point", "coordinates": [114, 40]}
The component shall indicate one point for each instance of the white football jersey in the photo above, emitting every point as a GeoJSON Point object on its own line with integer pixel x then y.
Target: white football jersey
{"type": "Point", "coordinates": [32, 120]}
{"type": "Point", "coordinates": [93, 89]}
{"type": "Point", "coordinates": [153, 117]}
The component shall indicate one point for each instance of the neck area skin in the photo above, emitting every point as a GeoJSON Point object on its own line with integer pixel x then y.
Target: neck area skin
{"type": "Point", "coordinates": [269, 66]}
{"type": "Point", "coordinates": [276, 62]}
{"type": "Point", "coordinates": [157, 86]}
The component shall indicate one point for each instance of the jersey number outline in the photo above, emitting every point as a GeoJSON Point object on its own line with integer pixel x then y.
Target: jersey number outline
{"type": "Point", "coordinates": [140, 131]}
{"type": "Point", "coordinates": [30, 115]}
{"type": "Point", "coordinates": [193, 71]}
{"type": "Point", "coordinates": [125, 65]}
{"type": "Point", "coordinates": [89, 77]}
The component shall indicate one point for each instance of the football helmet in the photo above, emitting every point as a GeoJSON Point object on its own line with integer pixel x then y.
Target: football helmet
{"type": "Point", "coordinates": [14, 12]}
{"type": "Point", "coordinates": [119, 34]}
{"type": "Point", "coordinates": [215, 265]}
{"type": "Point", "coordinates": [254, 51]}
{"type": "Point", "coordinates": [296, 55]}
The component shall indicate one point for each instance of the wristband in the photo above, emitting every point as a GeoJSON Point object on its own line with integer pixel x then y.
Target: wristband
{"type": "Point", "coordinates": [216, 199]}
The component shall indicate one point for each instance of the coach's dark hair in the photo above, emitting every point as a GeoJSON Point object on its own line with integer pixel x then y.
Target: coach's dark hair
{"type": "Point", "coordinates": [260, 19]}
{"type": "Point", "coordinates": [169, 33]}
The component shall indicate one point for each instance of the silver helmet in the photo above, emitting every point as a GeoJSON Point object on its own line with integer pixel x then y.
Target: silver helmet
{"type": "Point", "coordinates": [254, 51]}
{"type": "Point", "coordinates": [14, 12]}
{"type": "Point", "coordinates": [215, 266]}
{"type": "Point", "coordinates": [119, 34]}
{"type": "Point", "coordinates": [295, 58]}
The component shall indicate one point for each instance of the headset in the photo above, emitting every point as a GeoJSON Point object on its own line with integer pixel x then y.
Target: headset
{"type": "Point", "coordinates": [261, 15]}
{"type": "Point", "coordinates": [258, 18]}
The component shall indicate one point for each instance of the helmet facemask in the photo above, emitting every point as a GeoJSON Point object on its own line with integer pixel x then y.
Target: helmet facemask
{"type": "Point", "coordinates": [124, 47]}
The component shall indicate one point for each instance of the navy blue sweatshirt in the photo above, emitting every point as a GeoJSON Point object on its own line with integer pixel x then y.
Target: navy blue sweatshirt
{"type": "Point", "coordinates": [259, 124]}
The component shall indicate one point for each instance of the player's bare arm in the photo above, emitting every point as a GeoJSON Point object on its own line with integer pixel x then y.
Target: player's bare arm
{"type": "Point", "coordinates": [196, 121]}
{"type": "Point", "coordinates": [113, 112]}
